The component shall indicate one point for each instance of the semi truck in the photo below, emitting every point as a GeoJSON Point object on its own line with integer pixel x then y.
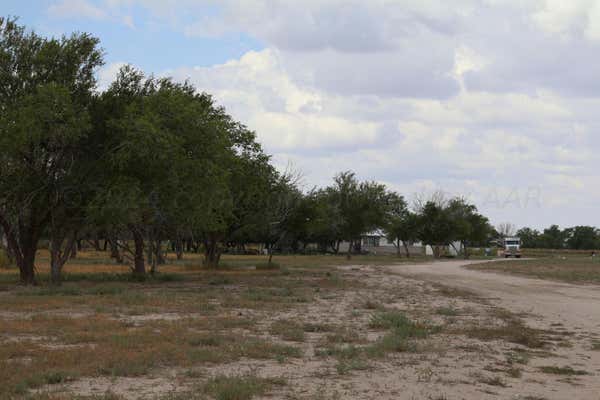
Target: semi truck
{"type": "Point", "coordinates": [511, 247]}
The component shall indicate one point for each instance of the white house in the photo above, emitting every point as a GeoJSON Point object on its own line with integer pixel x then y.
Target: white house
{"type": "Point", "coordinates": [376, 242]}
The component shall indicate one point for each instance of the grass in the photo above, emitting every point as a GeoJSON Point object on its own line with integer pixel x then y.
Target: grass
{"type": "Point", "coordinates": [509, 328]}
{"type": "Point", "coordinates": [568, 371]}
{"type": "Point", "coordinates": [243, 387]}
{"type": "Point", "coordinates": [447, 311]}
{"type": "Point", "coordinates": [572, 269]}
{"type": "Point", "coordinates": [493, 381]}
{"type": "Point", "coordinates": [399, 324]}
{"type": "Point", "coordinates": [401, 336]}
{"type": "Point", "coordinates": [288, 330]}
{"type": "Point", "coordinates": [101, 323]}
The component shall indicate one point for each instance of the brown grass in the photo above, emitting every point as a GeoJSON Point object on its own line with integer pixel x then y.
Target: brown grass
{"type": "Point", "coordinates": [573, 269]}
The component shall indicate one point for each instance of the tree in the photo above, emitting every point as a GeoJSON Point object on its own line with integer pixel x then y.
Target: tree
{"type": "Point", "coordinates": [248, 184]}
{"type": "Point", "coordinates": [469, 226]}
{"type": "Point", "coordinates": [45, 90]}
{"type": "Point", "coordinates": [283, 217]}
{"type": "Point", "coordinates": [362, 206]}
{"type": "Point", "coordinates": [436, 226]}
{"type": "Point", "coordinates": [553, 238]}
{"type": "Point", "coordinates": [583, 238]}
{"type": "Point", "coordinates": [323, 219]}
{"type": "Point", "coordinates": [402, 225]}
{"type": "Point", "coordinates": [530, 238]}
{"type": "Point", "coordinates": [506, 229]}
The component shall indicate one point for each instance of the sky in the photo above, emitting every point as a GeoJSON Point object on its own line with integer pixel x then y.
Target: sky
{"type": "Point", "coordinates": [493, 100]}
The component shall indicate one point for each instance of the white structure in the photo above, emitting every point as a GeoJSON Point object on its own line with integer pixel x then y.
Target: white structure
{"type": "Point", "coordinates": [376, 242]}
{"type": "Point", "coordinates": [452, 250]}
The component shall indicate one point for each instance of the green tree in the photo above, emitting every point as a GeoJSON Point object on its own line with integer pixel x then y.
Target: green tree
{"type": "Point", "coordinates": [583, 238]}
{"type": "Point", "coordinates": [436, 226]}
{"type": "Point", "coordinates": [45, 90]}
{"type": "Point", "coordinates": [362, 207]}
{"type": "Point", "coordinates": [168, 169]}
{"type": "Point", "coordinates": [469, 226]}
{"type": "Point", "coordinates": [530, 238]}
{"type": "Point", "coordinates": [553, 238]}
{"type": "Point", "coordinates": [401, 226]}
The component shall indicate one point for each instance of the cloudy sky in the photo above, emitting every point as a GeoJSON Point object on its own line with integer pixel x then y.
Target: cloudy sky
{"type": "Point", "coordinates": [496, 100]}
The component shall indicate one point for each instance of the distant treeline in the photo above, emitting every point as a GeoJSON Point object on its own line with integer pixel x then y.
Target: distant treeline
{"type": "Point", "coordinates": [150, 162]}
{"type": "Point", "coordinates": [575, 238]}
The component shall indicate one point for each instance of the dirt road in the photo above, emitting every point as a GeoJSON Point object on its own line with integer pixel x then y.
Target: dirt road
{"type": "Point", "coordinates": [575, 306]}
{"type": "Point", "coordinates": [545, 304]}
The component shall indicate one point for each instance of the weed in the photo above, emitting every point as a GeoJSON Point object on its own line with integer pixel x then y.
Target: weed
{"type": "Point", "coordinates": [372, 305]}
{"type": "Point", "coordinates": [493, 381]}
{"type": "Point", "coordinates": [514, 372]}
{"type": "Point", "coordinates": [317, 328]}
{"type": "Point", "coordinates": [447, 311]}
{"type": "Point", "coordinates": [512, 330]}
{"type": "Point", "coordinates": [240, 387]}
{"type": "Point", "coordinates": [561, 371]}
{"type": "Point", "coordinates": [344, 366]}
{"type": "Point", "coordinates": [288, 330]}
{"type": "Point", "coordinates": [400, 324]}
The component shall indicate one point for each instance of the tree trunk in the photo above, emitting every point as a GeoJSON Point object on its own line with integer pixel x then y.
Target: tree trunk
{"type": "Point", "coordinates": [159, 255]}
{"type": "Point", "coordinates": [97, 244]}
{"type": "Point", "coordinates": [406, 249]}
{"type": "Point", "coordinates": [139, 267]}
{"type": "Point", "coordinates": [398, 248]}
{"type": "Point", "coordinates": [212, 253]}
{"type": "Point", "coordinates": [23, 248]}
{"type": "Point", "coordinates": [179, 248]}
{"type": "Point", "coordinates": [27, 267]}
{"type": "Point", "coordinates": [59, 257]}
{"type": "Point", "coordinates": [465, 250]}
{"type": "Point", "coordinates": [349, 253]}
{"type": "Point", "coordinates": [114, 250]}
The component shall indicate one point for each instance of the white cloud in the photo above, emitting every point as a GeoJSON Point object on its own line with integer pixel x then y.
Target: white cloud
{"type": "Point", "coordinates": [107, 74]}
{"type": "Point", "coordinates": [76, 8]}
{"type": "Point", "coordinates": [494, 99]}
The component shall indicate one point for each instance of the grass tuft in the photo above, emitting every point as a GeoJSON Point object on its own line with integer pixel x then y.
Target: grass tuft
{"type": "Point", "coordinates": [240, 387]}
{"type": "Point", "coordinates": [555, 370]}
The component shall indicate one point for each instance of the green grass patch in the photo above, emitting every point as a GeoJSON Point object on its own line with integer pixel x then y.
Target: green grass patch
{"type": "Point", "coordinates": [240, 387]}
{"type": "Point", "coordinates": [555, 370]}
{"type": "Point", "coordinates": [288, 330]}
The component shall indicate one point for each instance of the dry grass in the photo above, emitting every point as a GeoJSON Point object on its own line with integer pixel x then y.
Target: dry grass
{"type": "Point", "coordinates": [568, 371]}
{"type": "Point", "coordinates": [573, 269]}
{"type": "Point", "coordinates": [508, 327]}
{"type": "Point", "coordinates": [210, 325]}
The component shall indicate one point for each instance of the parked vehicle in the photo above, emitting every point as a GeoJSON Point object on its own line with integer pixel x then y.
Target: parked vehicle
{"type": "Point", "coordinates": [511, 247]}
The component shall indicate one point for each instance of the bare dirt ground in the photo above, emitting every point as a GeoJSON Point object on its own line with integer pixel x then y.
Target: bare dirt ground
{"type": "Point", "coordinates": [430, 331]}
{"type": "Point", "coordinates": [543, 304]}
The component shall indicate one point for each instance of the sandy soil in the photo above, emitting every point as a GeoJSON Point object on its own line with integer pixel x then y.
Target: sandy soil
{"type": "Point", "coordinates": [446, 366]}
{"type": "Point", "coordinates": [545, 305]}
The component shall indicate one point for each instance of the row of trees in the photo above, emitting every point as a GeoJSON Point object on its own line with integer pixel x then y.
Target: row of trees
{"type": "Point", "coordinates": [151, 161]}
{"type": "Point", "coordinates": [145, 160]}
{"type": "Point", "coordinates": [574, 238]}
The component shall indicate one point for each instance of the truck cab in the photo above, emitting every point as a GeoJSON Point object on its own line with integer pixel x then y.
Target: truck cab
{"type": "Point", "coordinates": [511, 247]}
